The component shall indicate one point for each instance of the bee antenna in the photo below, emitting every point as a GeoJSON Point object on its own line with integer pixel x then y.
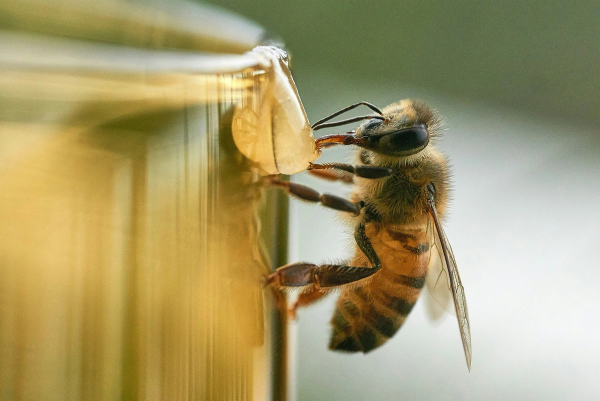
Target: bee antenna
{"type": "Point", "coordinates": [345, 109]}
{"type": "Point", "coordinates": [318, 126]}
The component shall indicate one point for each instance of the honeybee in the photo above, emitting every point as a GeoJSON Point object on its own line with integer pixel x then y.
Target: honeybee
{"type": "Point", "coordinates": [401, 186]}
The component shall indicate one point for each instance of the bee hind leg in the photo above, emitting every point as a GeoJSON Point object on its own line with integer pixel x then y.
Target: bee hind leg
{"type": "Point", "coordinates": [330, 275]}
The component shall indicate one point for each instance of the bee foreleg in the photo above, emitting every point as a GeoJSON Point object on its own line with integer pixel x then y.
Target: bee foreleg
{"type": "Point", "coordinates": [308, 194]}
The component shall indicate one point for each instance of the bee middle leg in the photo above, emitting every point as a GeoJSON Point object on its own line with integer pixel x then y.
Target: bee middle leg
{"type": "Point", "coordinates": [331, 201]}
{"type": "Point", "coordinates": [346, 172]}
{"type": "Point", "coordinates": [310, 195]}
{"type": "Point", "coordinates": [327, 276]}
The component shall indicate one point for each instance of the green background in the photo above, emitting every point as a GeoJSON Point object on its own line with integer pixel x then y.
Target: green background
{"type": "Point", "coordinates": [536, 56]}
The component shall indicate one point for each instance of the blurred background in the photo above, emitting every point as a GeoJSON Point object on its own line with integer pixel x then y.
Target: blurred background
{"type": "Point", "coordinates": [519, 86]}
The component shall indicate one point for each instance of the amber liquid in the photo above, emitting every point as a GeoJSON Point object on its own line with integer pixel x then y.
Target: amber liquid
{"type": "Point", "coordinates": [133, 240]}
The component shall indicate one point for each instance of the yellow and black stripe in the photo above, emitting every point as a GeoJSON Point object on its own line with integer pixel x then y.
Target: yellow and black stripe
{"type": "Point", "coordinates": [366, 316]}
{"type": "Point", "coordinates": [363, 319]}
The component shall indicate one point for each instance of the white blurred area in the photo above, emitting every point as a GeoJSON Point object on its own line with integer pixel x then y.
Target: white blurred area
{"type": "Point", "coordinates": [524, 226]}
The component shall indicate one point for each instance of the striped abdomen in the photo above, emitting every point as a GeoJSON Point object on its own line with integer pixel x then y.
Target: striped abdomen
{"type": "Point", "coordinates": [370, 313]}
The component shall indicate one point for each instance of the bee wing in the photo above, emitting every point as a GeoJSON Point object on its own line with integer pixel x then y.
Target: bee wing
{"type": "Point", "coordinates": [437, 283]}
{"type": "Point", "coordinates": [448, 265]}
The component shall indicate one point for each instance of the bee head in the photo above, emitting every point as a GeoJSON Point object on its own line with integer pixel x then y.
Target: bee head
{"type": "Point", "coordinates": [406, 130]}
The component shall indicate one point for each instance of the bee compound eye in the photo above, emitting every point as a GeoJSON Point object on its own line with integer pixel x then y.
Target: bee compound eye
{"type": "Point", "coordinates": [405, 141]}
